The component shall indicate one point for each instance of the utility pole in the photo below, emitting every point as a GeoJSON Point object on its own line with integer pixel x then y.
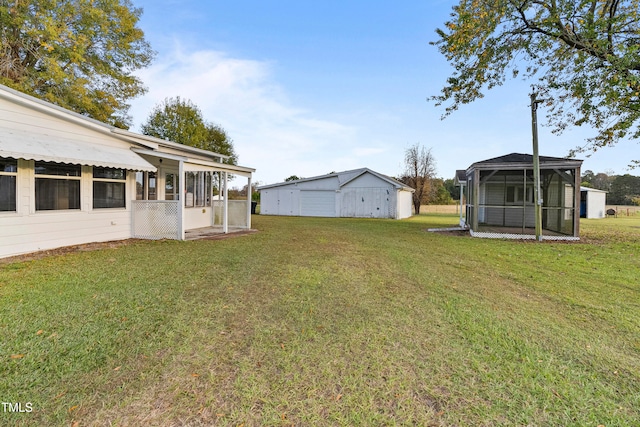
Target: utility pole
{"type": "Point", "coordinates": [537, 193]}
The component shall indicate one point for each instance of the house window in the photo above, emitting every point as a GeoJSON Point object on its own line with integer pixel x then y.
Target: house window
{"type": "Point", "coordinates": [198, 189]}
{"type": "Point", "coordinates": [57, 186]}
{"type": "Point", "coordinates": [109, 187]}
{"type": "Point", "coordinates": [8, 176]}
{"type": "Point", "coordinates": [171, 186]}
{"type": "Point", "coordinates": [153, 186]}
{"type": "Point", "coordinates": [141, 186]}
{"type": "Point", "coordinates": [146, 186]}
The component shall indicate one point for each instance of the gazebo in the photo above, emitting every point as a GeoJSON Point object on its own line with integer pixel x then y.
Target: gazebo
{"type": "Point", "coordinates": [500, 197]}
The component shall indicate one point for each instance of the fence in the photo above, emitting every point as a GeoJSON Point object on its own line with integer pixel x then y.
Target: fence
{"type": "Point", "coordinates": [625, 210]}
{"type": "Point", "coordinates": [446, 209]}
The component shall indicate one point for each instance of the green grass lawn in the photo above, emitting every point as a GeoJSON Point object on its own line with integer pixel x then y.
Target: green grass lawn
{"type": "Point", "coordinates": [329, 322]}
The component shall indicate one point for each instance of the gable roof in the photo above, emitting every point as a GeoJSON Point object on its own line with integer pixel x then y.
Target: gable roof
{"type": "Point", "coordinates": [343, 179]}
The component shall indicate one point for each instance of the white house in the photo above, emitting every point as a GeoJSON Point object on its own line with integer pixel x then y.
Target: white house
{"type": "Point", "coordinates": [360, 193]}
{"type": "Point", "coordinates": [593, 203]}
{"type": "Point", "coordinates": [66, 179]}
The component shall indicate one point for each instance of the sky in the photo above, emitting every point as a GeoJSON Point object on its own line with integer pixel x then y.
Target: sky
{"type": "Point", "coordinates": [307, 88]}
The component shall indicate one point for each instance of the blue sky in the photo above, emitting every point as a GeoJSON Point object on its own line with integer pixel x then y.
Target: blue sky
{"type": "Point", "coordinates": [306, 88]}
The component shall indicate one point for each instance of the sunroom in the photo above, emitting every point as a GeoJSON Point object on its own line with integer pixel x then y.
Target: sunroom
{"type": "Point", "coordinates": [500, 197]}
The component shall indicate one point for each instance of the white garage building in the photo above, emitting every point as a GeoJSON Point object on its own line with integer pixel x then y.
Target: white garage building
{"type": "Point", "coordinates": [358, 193]}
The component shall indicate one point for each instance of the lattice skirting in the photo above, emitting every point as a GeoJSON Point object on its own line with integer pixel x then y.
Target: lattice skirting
{"type": "Point", "coordinates": [512, 236]}
{"type": "Point", "coordinates": [155, 220]}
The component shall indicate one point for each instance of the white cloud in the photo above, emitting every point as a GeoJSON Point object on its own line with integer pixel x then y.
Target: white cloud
{"type": "Point", "coordinates": [269, 134]}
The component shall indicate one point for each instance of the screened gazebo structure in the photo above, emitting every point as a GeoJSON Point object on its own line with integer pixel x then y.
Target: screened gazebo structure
{"type": "Point", "coordinates": [500, 197]}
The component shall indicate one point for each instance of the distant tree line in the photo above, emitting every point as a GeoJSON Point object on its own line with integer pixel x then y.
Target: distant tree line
{"type": "Point", "coordinates": [621, 189]}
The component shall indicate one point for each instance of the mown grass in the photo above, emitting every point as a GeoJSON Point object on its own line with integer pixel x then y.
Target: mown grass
{"type": "Point", "coordinates": [329, 322]}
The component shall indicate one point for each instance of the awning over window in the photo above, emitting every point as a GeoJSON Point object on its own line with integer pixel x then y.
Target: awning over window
{"type": "Point", "coordinates": [20, 144]}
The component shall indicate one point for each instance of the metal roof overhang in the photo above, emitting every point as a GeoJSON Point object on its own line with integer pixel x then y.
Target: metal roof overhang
{"type": "Point", "coordinates": [24, 145]}
{"type": "Point", "coordinates": [191, 164]}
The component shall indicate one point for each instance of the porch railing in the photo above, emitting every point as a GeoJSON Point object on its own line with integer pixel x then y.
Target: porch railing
{"type": "Point", "coordinates": [238, 211]}
{"type": "Point", "coordinates": [155, 219]}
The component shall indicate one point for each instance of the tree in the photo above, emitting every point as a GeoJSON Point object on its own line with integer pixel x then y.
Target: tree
{"type": "Point", "coordinates": [219, 142]}
{"type": "Point", "coordinates": [292, 178]}
{"type": "Point", "coordinates": [180, 120]}
{"type": "Point", "coordinates": [420, 168]}
{"type": "Point", "coordinates": [452, 188]}
{"type": "Point", "coordinates": [587, 178]}
{"type": "Point", "coordinates": [624, 189]}
{"type": "Point", "coordinates": [439, 195]}
{"type": "Point", "coordinates": [584, 54]}
{"type": "Point", "coordinates": [78, 54]}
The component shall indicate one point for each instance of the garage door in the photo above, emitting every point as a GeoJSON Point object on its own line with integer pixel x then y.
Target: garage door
{"type": "Point", "coordinates": [367, 203]}
{"type": "Point", "coordinates": [318, 203]}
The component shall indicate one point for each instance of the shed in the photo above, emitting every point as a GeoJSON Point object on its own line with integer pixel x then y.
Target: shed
{"type": "Point", "coordinates": [500, 197]}
{"type": "Point", "coordinates": [593, 203]}
{"type": "Point", "coordinates": [66, 179]}
{"type": "Point", "coordinates": [358, 193]}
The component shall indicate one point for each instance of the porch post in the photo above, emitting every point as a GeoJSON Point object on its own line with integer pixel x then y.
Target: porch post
{"type": "Point", "coordinates": [476, 199]}
{"type": "Point", "coordinates": [225, 204]}
{"type": "Point", "coordinates": [181, 194]}
{"type": "Point", "coordinates": [460, 207]}
{"type": "Point", "coordinates": [249, 202]}
{"type": "Point", "coordinates": [576, 202]}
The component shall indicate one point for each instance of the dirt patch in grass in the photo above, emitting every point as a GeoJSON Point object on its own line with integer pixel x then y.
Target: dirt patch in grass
{"type": "Point", "coordinates": [450, 232]}
{"type": "Point", "coordinates": [87, 247]}
{"type": "Point", "coordinates": [221, 236]}
{"type": "Point", "coordinates": [67, 250]}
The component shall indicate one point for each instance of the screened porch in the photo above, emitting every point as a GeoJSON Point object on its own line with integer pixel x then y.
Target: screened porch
{"type": "Point", "coordinates": [182, 196]}
{"type": "Point", "coordinates": [501, 202]}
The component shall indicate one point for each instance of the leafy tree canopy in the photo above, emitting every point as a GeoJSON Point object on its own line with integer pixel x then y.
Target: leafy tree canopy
{"type": "Point", "coordinates": [78, 54]}
{"type": "Point", "coordinates": [600, 181]}
{"type": "Point", "coordinates": [180, 120]}
{"type": "Point", "coordinates": [624, 190]}
{"type": "Point", "coordinates": [585, 55]}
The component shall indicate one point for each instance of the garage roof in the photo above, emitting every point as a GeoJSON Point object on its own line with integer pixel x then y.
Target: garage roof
{"type": "Point", "coordinates": [343, 178]}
